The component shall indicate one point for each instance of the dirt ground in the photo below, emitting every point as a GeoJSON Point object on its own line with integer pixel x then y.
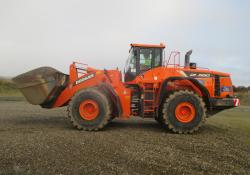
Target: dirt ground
{"type": "Point", "coordinates": [39, 141]}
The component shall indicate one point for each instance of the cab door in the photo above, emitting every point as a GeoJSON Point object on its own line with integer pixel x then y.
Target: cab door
{"type": "Point", "coordinates": [141, 60]}
{"type": "Point", "coordinates": [131, 68]}
{"type": "Point", "coordinates": [149, 58]}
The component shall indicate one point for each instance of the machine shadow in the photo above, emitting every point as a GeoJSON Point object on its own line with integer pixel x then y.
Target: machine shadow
{"type": "Point", "coordinates": [153, 126]}
{"type": "Point", "coordinates": [149, 125]}
{"type": "Point", "coordinates": [63, 123]}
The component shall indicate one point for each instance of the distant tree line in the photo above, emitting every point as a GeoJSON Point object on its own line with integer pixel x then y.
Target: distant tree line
{"type": "Point", "coordinates": [241, 88]}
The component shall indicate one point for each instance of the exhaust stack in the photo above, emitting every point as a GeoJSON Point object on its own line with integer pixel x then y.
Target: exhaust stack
{"type": "Point", "coordinates": [187, 59]}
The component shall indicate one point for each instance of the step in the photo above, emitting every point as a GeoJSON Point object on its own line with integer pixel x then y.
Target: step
{"type": "Point", "coordinates": [148, 90]}
{"type": "Point", "coordinates": [148, 100]}
{"type": "Point", "coordinates": [148, 110]}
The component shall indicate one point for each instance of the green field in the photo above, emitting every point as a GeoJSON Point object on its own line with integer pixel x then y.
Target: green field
{"type": "Point", "coordinates": [237, 119]}
{"type": "Point", "coordinates": [8, 91]}
{"type": "Point", "coordinates": [7, 87]}
{"type": "Point", "coordinates": [244, 97]}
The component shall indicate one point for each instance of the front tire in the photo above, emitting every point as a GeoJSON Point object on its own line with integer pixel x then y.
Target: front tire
{"type": "Point", "coordinates": [89, 110]}
{"type": "Point", "coordinates": [184, 112]}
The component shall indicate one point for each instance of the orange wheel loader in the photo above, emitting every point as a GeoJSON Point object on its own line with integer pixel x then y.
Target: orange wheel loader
{"type": "Point", "coordinates": [178, 97]}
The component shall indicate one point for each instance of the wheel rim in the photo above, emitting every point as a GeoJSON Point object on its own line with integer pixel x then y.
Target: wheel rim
{"type": "Point", "coordinates": [185, 112]}
{"type": "Point", "coordinates": [89, 110]}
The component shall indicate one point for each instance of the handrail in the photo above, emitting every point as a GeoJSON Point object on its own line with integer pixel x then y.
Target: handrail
{"type": "Point", "coordinates": [175, 55]}
{"type": "Point", "coordinates": [75, 62]}
{"type": "Point", "coordinates": [81, 68]}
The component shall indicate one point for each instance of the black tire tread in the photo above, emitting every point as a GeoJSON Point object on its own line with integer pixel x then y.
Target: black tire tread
{"type": "Point", "coordinates": [107, 115]}
{"type": "Point", "coordinates": [165, 112]}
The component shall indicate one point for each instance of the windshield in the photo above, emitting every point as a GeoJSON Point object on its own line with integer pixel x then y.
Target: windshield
{"type": "Point", "coordinates": [130, 63]}
{"type": "Point", "coordinates": [145, 59]}
{"type": "Point", "coordinates": [149, 58]}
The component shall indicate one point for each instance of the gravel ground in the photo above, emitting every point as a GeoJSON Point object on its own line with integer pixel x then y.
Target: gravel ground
{"type": "Point", "coordinates": [39, 141]}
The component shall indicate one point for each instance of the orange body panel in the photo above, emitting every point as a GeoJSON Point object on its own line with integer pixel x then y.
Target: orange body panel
{"type": "Point", "coordinates": [226, 81]}
{"type": "Point", "coordinates": [112, 77]}
{"type": "Point", "coordinates": [155, 76]}
{"type": "Point", "coordinates": [159, 74]}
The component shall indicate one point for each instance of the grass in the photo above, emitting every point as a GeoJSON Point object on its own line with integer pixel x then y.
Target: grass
{"type": "Point", "coordinates": [8, 91]}
{"type": "Point", "coordinates": [237, 118]}
{"type": "Point", "coordinates": [244, 97]}
{"type": "Point", "coordinates": [7, 87]}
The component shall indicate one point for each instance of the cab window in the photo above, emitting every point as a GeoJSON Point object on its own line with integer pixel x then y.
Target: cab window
{"type": "Point", "coordinates": [131, 62]}
{"type": "Point", "coordinates": [146, 56]}
{"type": "Point", "coordinates": [157, 61]}
{"type": "Point", "coordinates": [149, 58]}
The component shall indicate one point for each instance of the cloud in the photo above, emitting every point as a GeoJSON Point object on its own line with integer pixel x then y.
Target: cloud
{"type": "Point", "coordinates": [54, 33]}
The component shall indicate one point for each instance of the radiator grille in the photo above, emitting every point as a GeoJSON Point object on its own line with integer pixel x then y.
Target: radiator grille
{"type": "Point", "coordinates": [217, 85]}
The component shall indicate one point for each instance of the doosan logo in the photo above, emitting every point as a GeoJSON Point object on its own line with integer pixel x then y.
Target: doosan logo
{"type": "Point", "coordinates": [85, 78]}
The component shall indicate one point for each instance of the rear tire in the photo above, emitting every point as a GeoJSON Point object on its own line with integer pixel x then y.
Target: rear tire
{"type": "Point", "coordinates": [89, 110]}
{"type": "Point", "coordinates": [184, 112]}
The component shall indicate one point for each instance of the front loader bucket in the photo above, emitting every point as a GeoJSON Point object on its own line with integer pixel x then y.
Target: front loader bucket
{"type": "Point", "coordinates": [41, 86]}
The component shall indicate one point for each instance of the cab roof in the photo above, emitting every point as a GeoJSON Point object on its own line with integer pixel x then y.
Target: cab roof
{"type": "Point", "coordinates": [161, 45]}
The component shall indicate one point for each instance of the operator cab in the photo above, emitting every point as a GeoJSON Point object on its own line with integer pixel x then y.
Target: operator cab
{"type": "Point", "coordinates": [142, 57]}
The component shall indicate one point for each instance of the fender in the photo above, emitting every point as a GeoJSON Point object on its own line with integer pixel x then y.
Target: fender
{"type": "Point", "coordinates": [203, 89]}
{"type": "Point", "coordinates": [109, 90]}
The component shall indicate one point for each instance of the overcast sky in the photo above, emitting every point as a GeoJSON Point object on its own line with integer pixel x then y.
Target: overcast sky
{"type": "Point", "coordinates": [56, 32]}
